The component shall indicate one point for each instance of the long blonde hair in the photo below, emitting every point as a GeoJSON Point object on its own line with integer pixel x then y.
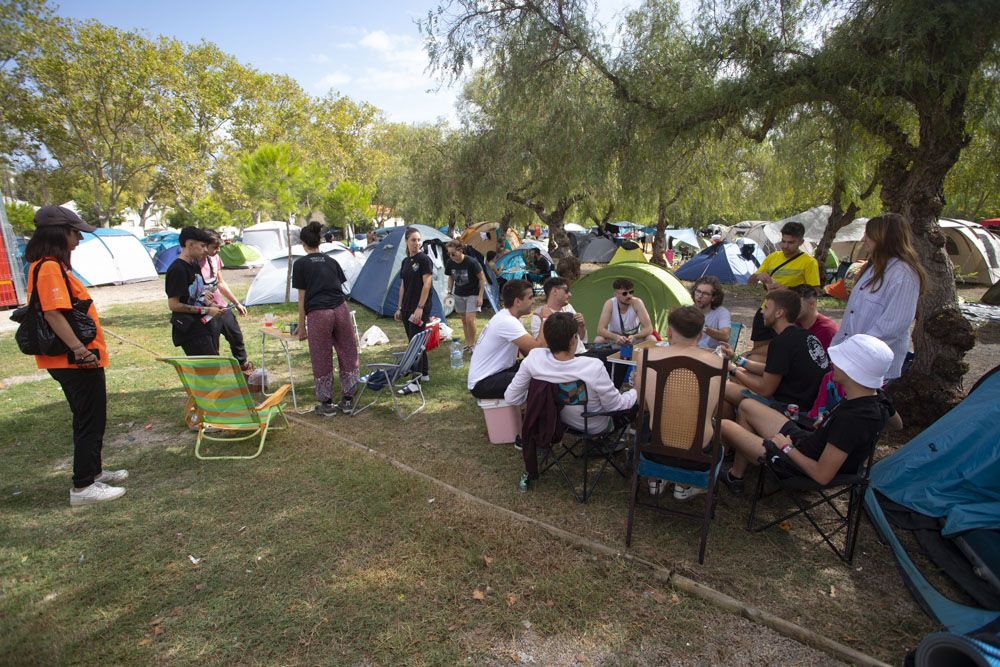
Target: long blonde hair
{"type": "Point", "coordinates": [890, 237]}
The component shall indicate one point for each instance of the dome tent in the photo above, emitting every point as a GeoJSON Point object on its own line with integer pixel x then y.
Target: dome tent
{"type": "Point", "coordinates": [657, 288]}
{"type": "Point", "coordinates": [269, 284]}
{"type": "Point", "coordinates": [629, 251]}
{"type": "Point", "coordinates": [240, 255]}
{"type": "Point", "coordinates": [270, 237]}
{"type": "Point", "coordinates": [377, 285]}
{"type": "Point", "coordinates": [111, 256]}
{"type": "Point", "coordinates": [512, 265]}
{"type": "Point", "coordinates": [730, 262]}
{"type": "Point", "coordinates": [600, 250]}
{"type": "Point", "coordinates": [483, 236]}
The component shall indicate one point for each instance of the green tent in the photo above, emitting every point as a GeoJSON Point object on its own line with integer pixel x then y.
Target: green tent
{"type": "Point", "coordinates": [240, 255]}
{"type": "Point", "coordinates": [832, 262]}
{"type": "Point", "coordinates": [633, 255]}
{"type": "Point", "coordinates": [656, 286]}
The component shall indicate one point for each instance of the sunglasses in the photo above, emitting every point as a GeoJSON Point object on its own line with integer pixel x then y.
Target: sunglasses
{"type": "Point", "coordinates": [627, 292]}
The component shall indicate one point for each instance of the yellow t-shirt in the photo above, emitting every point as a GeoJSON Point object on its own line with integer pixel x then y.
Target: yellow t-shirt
{"type": "Point", "coordinates": [803, 270]}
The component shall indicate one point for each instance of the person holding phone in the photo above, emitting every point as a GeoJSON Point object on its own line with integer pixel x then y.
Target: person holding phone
{"type": "Point", "coordinates": [80, 371]}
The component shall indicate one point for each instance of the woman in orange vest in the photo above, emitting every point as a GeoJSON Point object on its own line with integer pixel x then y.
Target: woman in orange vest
{"type": "Point", "coordinates": [80, 371]}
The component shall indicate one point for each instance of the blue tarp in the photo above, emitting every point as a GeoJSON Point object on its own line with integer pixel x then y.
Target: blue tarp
{"type": "Point", "coordinates": [726, 261]}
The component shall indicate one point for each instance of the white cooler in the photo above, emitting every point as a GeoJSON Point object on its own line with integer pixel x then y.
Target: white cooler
{"type": "Point", "coordinates": [503, 420]}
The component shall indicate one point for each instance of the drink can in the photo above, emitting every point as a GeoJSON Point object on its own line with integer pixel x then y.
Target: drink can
{"type": "Point", "coordinates": [792, 411]}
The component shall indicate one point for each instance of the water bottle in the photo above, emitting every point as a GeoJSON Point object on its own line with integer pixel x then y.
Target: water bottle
{"type": "Point", "coordinates": [456, 354]}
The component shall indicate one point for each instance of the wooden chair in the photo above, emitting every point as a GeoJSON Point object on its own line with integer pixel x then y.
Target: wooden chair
{"type": "Point", "coordinates": [221, 403]}
{"type": "Point", "coordinates": [810, 496]}
{"type": "Point", "coordinates": [677, 431]}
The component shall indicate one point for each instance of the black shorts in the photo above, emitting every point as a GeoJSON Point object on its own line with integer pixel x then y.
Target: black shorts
{"type": "Point", "coordinates": [784, 468]}
{"type": "Point", "coordinates": [759, 332]}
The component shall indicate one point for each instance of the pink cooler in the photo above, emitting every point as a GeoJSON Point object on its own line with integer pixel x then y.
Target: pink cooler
{"type": "Point", "coordinates": [503, 420]}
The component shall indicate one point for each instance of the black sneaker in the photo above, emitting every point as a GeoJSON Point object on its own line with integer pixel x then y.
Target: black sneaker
{"type": "Point", "coordinates": [346, 405]}
{"type": "Point", "coordinates": [736, 485]}
{"type": "Point", "coordinates": [325, 409]}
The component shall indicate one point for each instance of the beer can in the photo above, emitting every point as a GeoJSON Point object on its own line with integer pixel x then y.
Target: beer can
{"type": "Point", "coordinates": [792, 411]}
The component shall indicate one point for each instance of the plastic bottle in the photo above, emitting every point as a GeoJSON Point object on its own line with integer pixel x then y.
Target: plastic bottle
{"type": "Point", "coordinates": [456, 354]}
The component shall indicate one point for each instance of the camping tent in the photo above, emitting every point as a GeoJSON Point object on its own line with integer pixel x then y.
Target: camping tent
{"type": "Point", "coordinates": [730, 262]}
{"type": "Point", "coordinates": [109, 256]}
{"type": "Point", "coordinates": [240, 255]}
{"type": "Point", "coordinates": [377, 285]}
{"type": "Point", "coordinates": [943, 485]}
{"type": "Point", "coordinates": [270, 237]}
{"type": "Point", "coordinates": [656, 286]}
{"type": "Point", "coordinates": [483, 236]}
{"type": "Point", "coordinates": [159, 240]}
{"type": "Point", "coordinates": [973, 250]}
{"type": "Point", "coordinates": [628, 252]}
{"type": "Point", "coordinates": [165, 256]}
{"type": "Point", "coordinates": [578, 242]}
{"type": "Point", "coordinates": [573, 227]}
{"type": "Point", "coordinates": [600, 250]}
{"type": "Point", "coordinates": [512, 265]}
{"type": "Point", "coordinates": [269, 284]}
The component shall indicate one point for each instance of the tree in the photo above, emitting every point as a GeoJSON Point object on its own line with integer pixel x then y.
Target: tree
{"type": "Point", "coordinates": [21, 217]}
{"type": "Point", "coordinates": [901, 70]}
{"type": "Point", "coordinates": [348, 204]}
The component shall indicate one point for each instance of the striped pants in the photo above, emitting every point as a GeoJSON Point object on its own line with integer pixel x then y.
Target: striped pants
{"type": "Point", "coordinates": [331, 328]}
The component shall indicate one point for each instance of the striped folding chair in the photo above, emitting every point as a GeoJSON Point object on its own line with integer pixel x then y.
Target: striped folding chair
{"type": "Point", "coordinates": [220, 404]}
{"type": "Point", "coordinates": [391, 378]}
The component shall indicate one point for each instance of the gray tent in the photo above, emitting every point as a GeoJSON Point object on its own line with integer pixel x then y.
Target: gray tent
{"type": "Point", "coordinates": [599, 251]}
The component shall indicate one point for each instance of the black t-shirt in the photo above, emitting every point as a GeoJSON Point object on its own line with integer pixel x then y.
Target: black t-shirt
{"type": "Point", "coordinates": [322, 279]}
{"type": "Point", "coordinates": [849, 427]}
{"type": "Point", "coordinates": [412, 272]}
{"type": "Point", "coordinates": [543, 266]}
{"type": "Point", "coordinates": [185, 282]}
{"type": "Point", "coordinates": [466, 274]}
{"type": "Point", "coordinates": [798, 357]}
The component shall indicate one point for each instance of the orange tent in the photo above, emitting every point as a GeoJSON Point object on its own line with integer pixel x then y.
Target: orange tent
{"type": "Point", "coordinates": [483, 237]}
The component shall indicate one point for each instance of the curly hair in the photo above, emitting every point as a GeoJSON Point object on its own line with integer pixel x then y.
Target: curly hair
{"type": "Point", "coordinates": [717, 294]}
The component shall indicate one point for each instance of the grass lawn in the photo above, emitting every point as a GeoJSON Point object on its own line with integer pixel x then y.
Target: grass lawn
{"type": "Point", "coordinates": [316, 553]}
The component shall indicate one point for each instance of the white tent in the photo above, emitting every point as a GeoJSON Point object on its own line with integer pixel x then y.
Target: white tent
{"type": "Point", "coordinates": [270, 237]}
{"type": "Point", "coordinates": [573, 227]}
{"type": "Point", "coordinates": [269, 285]}
{"type": "Point", "coordinates": [112, 256]}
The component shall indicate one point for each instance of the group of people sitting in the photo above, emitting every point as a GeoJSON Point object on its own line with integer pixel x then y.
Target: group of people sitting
{"type": "Point", "coordinates": [785, 402]}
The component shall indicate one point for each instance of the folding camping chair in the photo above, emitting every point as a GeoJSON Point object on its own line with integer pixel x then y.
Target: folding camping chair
{"type": "Point", "coordinates": [584, 446]}
{"type": "Point", "coordinates": [221, 402]}
{"type": "Point", "coordinates": [677, 431]}
{"type": "Point", "coordinates": [809, 495]}
{"type": "Point", "coordinates": [383, 378]}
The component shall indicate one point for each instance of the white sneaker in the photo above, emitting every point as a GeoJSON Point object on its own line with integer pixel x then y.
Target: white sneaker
{"type": "Point", "coordinates": [95, 493]}
{"type": "Point", "coordinates": [411, 388]}
{"type": "Point", "coordinates": [112, 476]}
{"type": "Point", "coordinates": [425, 378]}
{"type": "Point", "coordinates": [656, 486]}
{"type": "Point", "coordinates": [682, 492]}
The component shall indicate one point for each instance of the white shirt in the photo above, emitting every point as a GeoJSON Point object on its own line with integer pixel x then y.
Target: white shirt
{"type": "Point", "coordinates": [886, 314]}
{"type": "Point", "coordinates": [717, 318]}
{"type": "Point", "coordinates": [536, 325]}
{"type": "Point", "coordinates": [495, 350]}
{"type": "Point", "coordinates": [541, 364]}
{"type": "Point", "coordinates": [621, 322]}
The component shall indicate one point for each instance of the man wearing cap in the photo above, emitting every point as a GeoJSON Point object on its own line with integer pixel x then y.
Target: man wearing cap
{"type": "Point", "coordinates": [185, 287]}
{"type": "Point", "coordinates": [840, 443]}
{"type": "Point", "coordinates": [811, 319]}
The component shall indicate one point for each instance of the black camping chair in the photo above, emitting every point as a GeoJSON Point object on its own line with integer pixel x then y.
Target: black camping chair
{"type": "Point", "coordinates": [810, 496]}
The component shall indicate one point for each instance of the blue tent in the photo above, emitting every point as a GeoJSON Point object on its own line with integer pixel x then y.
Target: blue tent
{"type": "Point", "coordinates": [944, 485]}
{"type": "Point", "coordinates": [730, 262]}
{"type": "Point", "coordinates": [377, 286]}
{"type": "Point", "coordinates": [512, 265]}
{"type": "Point", "coordinates": [165, 256]}
{"type": "Point", "coordinates": [156, 242]}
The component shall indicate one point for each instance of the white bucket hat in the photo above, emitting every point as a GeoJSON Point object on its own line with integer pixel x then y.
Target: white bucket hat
{"type": "Point", "coordinates": [863, 358]}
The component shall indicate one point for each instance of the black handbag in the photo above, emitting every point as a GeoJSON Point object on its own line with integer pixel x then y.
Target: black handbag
{"type": "Point", "coordinates": [35, 336]}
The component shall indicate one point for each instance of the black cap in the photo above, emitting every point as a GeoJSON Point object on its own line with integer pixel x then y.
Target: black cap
{"type": "Point", "coordinates": [53, 216]}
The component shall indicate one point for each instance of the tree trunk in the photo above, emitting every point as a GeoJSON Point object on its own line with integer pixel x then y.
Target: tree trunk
{"type": "Point", "coordinates": [660, 239]}
{"type": "Point", "coordinates": [941, 335]}
{"type": "Point", "coordinates": [838, 219]}
{"type": "Point", "coordinates": [451, 224]}
{"type": "Point", "coordinates": [502, 229]}
{"type": "Point", "coordinates": [558, 238]}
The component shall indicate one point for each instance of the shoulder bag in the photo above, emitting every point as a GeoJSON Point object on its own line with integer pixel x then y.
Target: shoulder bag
{"type": "Point", "coordinates": [35, 336]}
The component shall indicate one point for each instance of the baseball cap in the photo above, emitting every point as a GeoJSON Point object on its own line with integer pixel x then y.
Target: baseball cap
{"type": "Point", "coordinates": [863, 358]}
{"type": "Point", "coordinates": [53, 216]}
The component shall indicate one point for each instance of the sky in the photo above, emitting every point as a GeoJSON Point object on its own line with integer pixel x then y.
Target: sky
{"type": "Point", "coordinates": [369, 51]}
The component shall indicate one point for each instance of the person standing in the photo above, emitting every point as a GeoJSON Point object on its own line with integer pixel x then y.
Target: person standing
{"type": "Point", "coordinates": [466, 280]}
{"type": "Point", "coordinates": [217, 293]}
{"type": "Point", "coordinates": [884, 299]}
{"type": "Point", "coordinates": [708, 295]}
{"type": "Point", "coordinates": [325, 322]}
{"type": "Point", "coordinates": [80, 372]}
{"type": "Point", "coordinates": [416, 273]}
{"type": "Point", "coordinates": [786, 267]}
{"type": "Point", "coordinates": [190, 318]}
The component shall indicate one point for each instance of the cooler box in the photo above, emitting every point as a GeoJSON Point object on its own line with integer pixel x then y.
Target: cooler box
{"type": "Point", "coordinates": [503, 420]}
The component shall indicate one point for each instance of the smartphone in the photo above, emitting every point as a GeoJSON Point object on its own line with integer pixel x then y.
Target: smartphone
{"type": "Point", "coordinates": [71, 358]}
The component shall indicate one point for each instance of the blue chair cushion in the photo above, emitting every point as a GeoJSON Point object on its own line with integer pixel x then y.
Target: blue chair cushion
{"type": "Point", "coordinates": [648, 468]}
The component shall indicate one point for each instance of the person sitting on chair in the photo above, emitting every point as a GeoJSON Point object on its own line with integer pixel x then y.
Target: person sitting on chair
{"type": "Point", "coordinates": [558, 363]}
{"type": "Point", "coordinates": [624, 318]}
{"type": "Point", "coordinates": [538, 267]}
{"type": "Point", "coordinates": [811, 319]}
{"type": "Point", "coordinates": [842, 440]}
{"type": "Point", "coordinates": [557, 296]}
{"type": "Point", "coordinates": [708, 295]}
{"type": "Point", "coordinates": [796, 361]}
{"type": "Point", "coordinates": [494, 357]}
{"type": "Point", "coordinates": [684, 327]}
